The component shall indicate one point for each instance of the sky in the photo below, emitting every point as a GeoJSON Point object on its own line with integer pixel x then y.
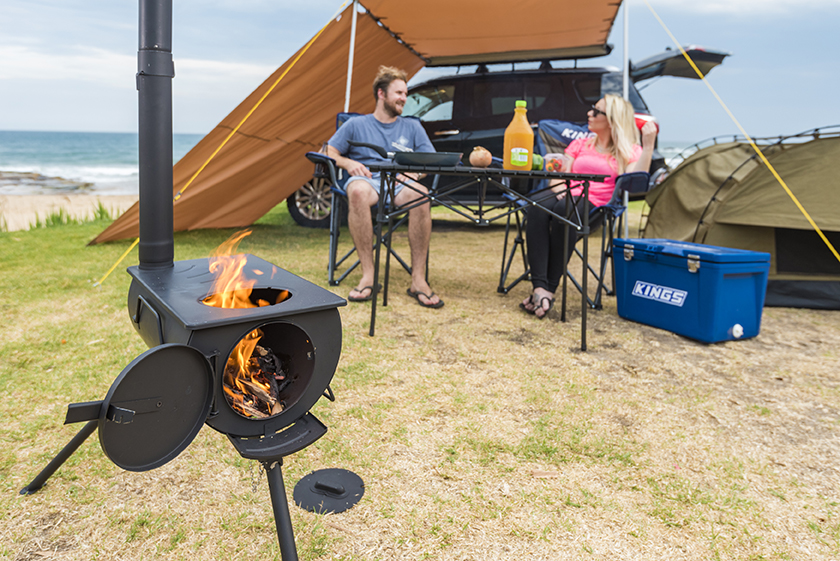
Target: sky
{"type": "Point", "coordinates": [69, 65]}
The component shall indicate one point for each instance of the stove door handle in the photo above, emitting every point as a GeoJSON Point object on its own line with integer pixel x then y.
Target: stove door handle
{"type": "Point", "coordinates": [141, 301]}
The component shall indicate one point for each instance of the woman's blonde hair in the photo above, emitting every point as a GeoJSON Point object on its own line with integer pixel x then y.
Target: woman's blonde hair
{"type": "Point", "coordinates": [623, 131]}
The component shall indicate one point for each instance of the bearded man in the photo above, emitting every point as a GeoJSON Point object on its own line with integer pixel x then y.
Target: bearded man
{"type": "Point", "coordinates": [385, 127]}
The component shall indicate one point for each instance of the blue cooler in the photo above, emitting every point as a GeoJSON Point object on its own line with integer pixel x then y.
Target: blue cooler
{"type": "Point", "coordinates": [700, 291]}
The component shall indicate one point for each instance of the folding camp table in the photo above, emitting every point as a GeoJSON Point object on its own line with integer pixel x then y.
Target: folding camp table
{"type": "Point", "coordinates": [480, 214]}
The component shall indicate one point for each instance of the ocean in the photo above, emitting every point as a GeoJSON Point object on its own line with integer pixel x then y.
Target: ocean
{"type": "Point", "coordinates": [45, 163]}
{"type": "Point", "coordinates": [50, 163]}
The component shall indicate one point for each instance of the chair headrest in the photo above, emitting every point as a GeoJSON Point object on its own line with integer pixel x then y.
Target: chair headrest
{"type": "Point", "coordinates": [342, 118]}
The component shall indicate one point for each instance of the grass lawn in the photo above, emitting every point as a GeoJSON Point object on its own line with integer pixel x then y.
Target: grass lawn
{"type": "Point", "coordinates": [480, 432]}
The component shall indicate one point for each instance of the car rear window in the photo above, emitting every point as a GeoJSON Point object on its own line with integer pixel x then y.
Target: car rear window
{"type": "Point", "coordinates": [430, 104]}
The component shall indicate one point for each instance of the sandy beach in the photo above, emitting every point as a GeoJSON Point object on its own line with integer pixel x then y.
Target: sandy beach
{"type": "Point", "coordinates": [20, 212]}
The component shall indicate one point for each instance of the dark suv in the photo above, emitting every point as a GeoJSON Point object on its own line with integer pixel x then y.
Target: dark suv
{"type": "Point", "coordinates": [462, 111]}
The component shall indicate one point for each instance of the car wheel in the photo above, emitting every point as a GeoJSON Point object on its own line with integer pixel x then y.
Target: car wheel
{"type": "Point", "coordinates": [310, 206]}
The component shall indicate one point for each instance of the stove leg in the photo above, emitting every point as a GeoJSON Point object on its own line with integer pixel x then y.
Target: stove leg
{"type": "Point", "coordinates": [280, 504]}
{"type": "Point", "coordinates": [62, 457]}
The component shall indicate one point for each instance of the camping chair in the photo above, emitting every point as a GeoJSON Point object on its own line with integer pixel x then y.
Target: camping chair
{"type": "Point", "coordinates": [325, 167]}
{"type": "Point", "coordinates": [609, 218]}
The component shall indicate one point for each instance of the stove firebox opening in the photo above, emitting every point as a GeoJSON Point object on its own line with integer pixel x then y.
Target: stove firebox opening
{"type": "Point", "coordinates": [268, 370]}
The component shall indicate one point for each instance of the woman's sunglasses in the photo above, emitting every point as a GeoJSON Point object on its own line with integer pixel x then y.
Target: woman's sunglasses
{"type": "Point", "coordinates": [596, 112]}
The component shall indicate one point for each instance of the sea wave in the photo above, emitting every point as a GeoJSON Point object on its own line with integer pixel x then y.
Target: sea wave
{"type": "Point", "coordinates": [49, 180]}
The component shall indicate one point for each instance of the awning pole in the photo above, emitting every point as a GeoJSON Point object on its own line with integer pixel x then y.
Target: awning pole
{"type": "Point", "coordinates": [626, 92]}
{"type": "Point", "coordinates": [350, 58]}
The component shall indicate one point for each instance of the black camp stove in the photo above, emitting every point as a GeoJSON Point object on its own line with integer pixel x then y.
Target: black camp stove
{"type": "Point", "coordinates": [286, 340]}
{"type": "Point", "coordinates": [167, 306]}
{"type": "Point", "coordinates": [159, 402]}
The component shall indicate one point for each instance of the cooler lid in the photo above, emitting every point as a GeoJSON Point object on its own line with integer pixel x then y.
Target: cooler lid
{"type": "Point", "coordinates": [708, 253]}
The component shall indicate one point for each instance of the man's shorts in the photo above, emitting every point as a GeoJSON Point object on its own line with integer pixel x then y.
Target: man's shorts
{"type": "Point", "coordinates": [375, 182]}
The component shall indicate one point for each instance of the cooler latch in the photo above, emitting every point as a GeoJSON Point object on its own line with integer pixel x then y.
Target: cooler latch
{"type": "Point", "coordinates": [628, 253]}
{"type": "Point", "coordinates": [693, 263]}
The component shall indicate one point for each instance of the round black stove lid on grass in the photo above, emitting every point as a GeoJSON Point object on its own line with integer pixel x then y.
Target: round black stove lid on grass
{"type": "Point", "coordinates": [328, 491]}
{"type": "Point", "coordinates": [156, 407]}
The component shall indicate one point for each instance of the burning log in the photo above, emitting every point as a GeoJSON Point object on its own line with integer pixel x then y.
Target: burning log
{"type": "Point", "coordinates": [257, 391]}
{"type": "Point", "coordinates": [253, 383]}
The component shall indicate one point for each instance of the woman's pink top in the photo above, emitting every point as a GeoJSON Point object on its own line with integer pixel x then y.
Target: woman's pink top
{"type": "Point", "coordinates": [589, 160]}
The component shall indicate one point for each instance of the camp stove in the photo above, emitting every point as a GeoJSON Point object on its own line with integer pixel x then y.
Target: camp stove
{"type": "Point", "coordinates": [301, 333]}
{"type": "Point", "coordinates": [235, 341]}
{"type": "Point", "coordinates": [159, 402]}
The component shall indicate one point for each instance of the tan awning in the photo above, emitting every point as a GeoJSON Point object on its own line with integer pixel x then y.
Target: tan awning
{"type": "Point", "coordinates": [448, 33]}
{"type": "Point", "coordinates": [264, 162]}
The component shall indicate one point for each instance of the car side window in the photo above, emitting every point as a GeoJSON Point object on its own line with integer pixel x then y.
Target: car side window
{"type": "Point", "coordinates": [588, 89]}
{"type": "Point", "coordinates": [431, 104]}
{"type": "Point", "coordinates": [586, 92]}
{"type": "Point", "coordinates": [495, 97]}
{"type": "Point", "coordinates": [613, 82]}
{"type": "Point", "coordinates": [545, 99]}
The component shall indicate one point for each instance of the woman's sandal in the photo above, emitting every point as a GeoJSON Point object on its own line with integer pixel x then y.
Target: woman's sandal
{"type": "Point", "coordinates": [525, 309]}
{"type": "Point", "coordinates": [550, 305]}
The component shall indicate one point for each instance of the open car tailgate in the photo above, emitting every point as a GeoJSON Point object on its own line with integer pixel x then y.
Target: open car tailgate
{"type": "Point", "coordinates": [673, 63]}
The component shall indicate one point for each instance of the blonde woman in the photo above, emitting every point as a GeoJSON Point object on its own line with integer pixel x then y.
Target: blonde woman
{"type": "Point", "coordinates": [612, 151]}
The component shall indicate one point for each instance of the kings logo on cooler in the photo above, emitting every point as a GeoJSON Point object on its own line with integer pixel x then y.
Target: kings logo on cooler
{"type": "Point", "coordinates": [660, 293]}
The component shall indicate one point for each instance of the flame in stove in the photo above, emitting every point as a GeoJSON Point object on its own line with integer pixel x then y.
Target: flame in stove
{"type": "Point", "coordinates": [231, 289]}
{"type": "Point", "coordinates": [243, 375]}
{"type": "Point", "coordinates": [245, 385]}
{"type": "Point", "coordinates": [242, 354]}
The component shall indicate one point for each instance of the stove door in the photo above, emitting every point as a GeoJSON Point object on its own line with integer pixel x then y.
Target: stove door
{"type": "Point", "coordinates": [156, 407]}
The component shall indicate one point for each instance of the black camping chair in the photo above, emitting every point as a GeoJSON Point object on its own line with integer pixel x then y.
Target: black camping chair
{"type": "Point", "coordinates": [325, 167]}
{"type": "Point", "coordinates": [607, 217]}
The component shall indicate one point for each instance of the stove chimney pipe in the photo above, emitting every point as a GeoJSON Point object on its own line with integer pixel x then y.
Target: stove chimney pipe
{"type": "Point", "coordinates": [155, 71]}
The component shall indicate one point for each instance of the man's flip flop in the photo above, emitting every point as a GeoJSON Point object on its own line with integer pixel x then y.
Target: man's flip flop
{"type": "Point", "coordinates": [416, 296]}
{"type": "Point", "coordinates": [367, 298]}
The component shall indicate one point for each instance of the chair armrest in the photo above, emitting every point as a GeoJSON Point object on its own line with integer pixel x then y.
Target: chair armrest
{"type": "Point", "coordinates": [320, 159]}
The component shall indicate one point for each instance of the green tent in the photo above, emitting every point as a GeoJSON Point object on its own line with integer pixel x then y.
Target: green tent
{"type": "Point", "coordinates": [724, 195]}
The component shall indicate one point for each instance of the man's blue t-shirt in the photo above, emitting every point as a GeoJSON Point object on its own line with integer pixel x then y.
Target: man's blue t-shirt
{"type": "Point", "coordinates": [403, 135]}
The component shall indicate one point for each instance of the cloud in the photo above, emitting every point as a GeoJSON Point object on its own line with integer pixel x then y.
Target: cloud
{"type": "Point", "coordinates": [107, 68]}
{"type": "Point", "coordinates": [87, 64]}
{"type": "Point", "coordinates": [752, 8]}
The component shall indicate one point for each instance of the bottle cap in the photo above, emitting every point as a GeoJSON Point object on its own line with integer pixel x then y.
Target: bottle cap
{"type": "Point", "coordinates": [521, 103]}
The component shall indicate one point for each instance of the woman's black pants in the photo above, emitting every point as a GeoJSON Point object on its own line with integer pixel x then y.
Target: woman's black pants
{"type": "Point", "coordinates": [546, 239]}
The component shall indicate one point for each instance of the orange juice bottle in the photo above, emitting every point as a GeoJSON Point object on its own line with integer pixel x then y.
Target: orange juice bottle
{"type": "Point", "coordinates": [519, 140]}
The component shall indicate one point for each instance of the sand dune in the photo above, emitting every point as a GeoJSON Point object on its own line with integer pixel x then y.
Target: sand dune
{"type": "Point", "coordinates": [20, 212]}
